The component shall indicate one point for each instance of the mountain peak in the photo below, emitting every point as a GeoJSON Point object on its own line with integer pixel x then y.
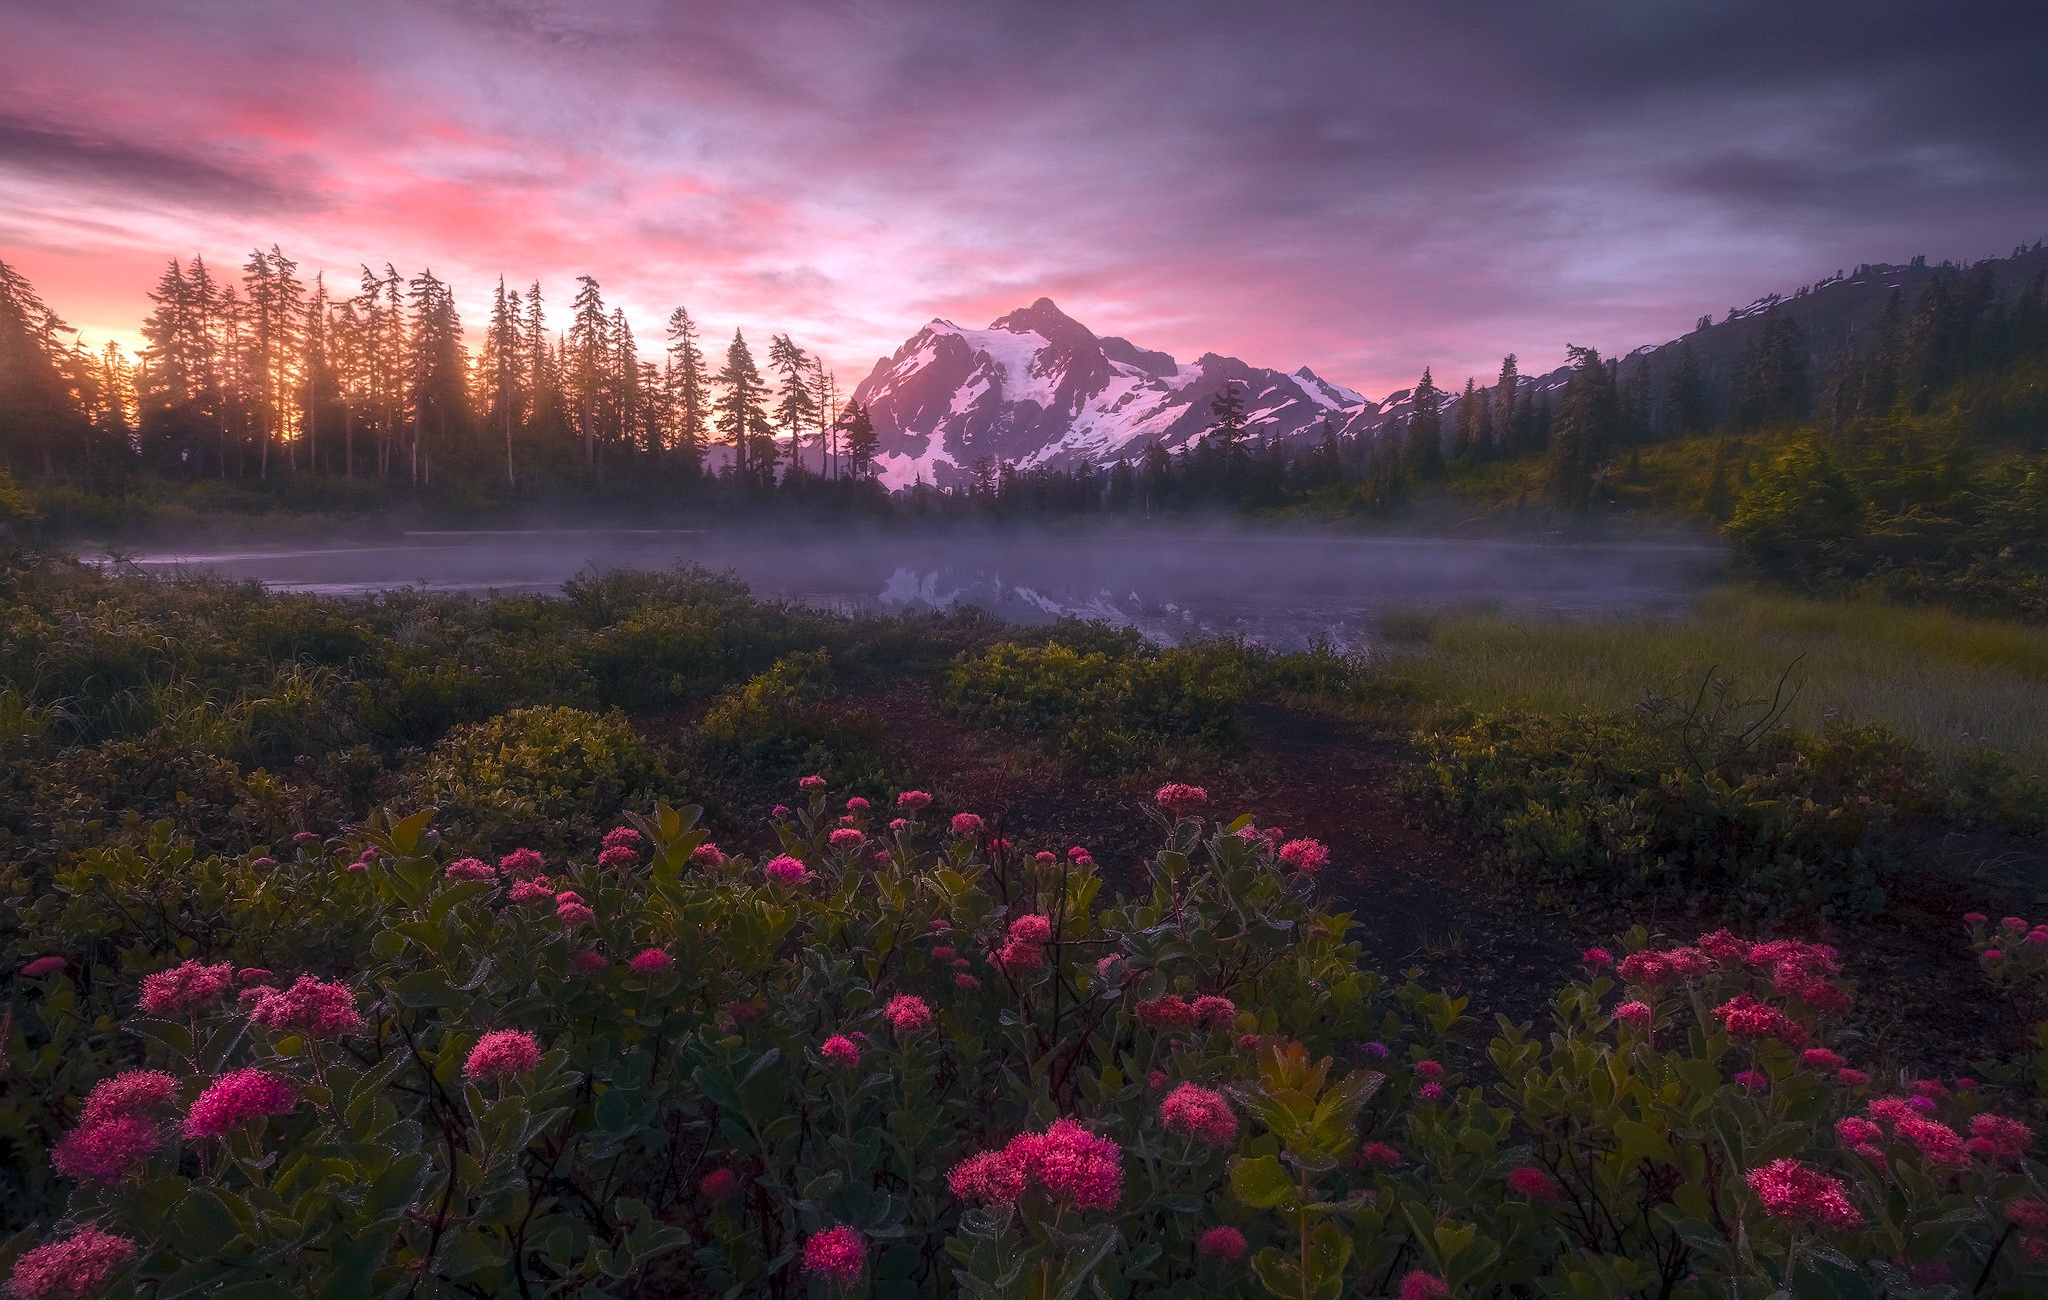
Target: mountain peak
{"type": "Point", "coordinates": [1045, 318]}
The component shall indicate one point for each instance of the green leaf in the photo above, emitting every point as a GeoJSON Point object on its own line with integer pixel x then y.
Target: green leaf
{"type": "Point", "coordinates": [1260, 1182]}
{"type": "Point", "coordinates": [204, 1224]}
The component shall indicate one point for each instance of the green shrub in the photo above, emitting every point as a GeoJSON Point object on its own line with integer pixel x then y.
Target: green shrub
{"type": "Point", "coordinates": [783, 724]}
{"type": "Point", "coordinates": [1108, 710]}
{"type": "Point", "coordinates": [545, 774]}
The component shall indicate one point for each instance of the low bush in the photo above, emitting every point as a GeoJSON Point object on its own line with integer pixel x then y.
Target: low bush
{"type": "Point", "coordinates": [546, 774]}
{"type": "Point", "coordinates": [785, 722]}
{"type": "Point", "coordinates": [898, 1063]}
{"type": "Point", "coordinates": [1108, 709]}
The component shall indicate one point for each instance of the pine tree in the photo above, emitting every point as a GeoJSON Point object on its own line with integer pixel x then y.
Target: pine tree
{"type": "Point", "coordinates": [316, 374]}
{"type": "Point", "coordinates": [1588, 425]}
{"type": "Point", "coordinates": [797, 408]}
{"type": "Point", "coordinates": [1425, 458]}
{"type": "Point", "coordinates": [39, 408]}
{"type": "Point", "coordinates": [501, 373]}
{"type": "Point", "coordinates": [589, 363]}
{"type": "Point", "coordinates": [275, 303]}
{"type": "Point", "coordinates": [437, 372]}
{"type": "Point", "coordinates": [1463, 440]}
{"type": "Point", "coordinates": [686, 387]}
{"type": "Point", "coordinates": [740, 415]}
{"type": "Point", "coordinates": [1226, 415]}
{"type": "Point", "coordinates": [858, 429]}
{"type": "Point", "coordinates": [1685, 396]}
{"type": "Point", "coordinates": [1506, 389]}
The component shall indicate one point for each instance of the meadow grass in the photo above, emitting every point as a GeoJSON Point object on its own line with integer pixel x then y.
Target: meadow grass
{"type": "Point", "coordinates": [1947, 681]}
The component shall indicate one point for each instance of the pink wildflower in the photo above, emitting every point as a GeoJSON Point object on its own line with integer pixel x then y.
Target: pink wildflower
{"type": "Point", "coordinates": [2026, 1212]}
{"type": "Point", "coordinates": [966, 824]}
{"type": "Point", "coordinates": [841, 1051]}
{"type": "Point", "coordinates": [1072, 1165]}
{"type": "Point", "coordinates": [1975, 918]}
{"type": "Point", "coordinates": [1375, 1049]}
{"type": "Point", "coordinates": [836, 1255]}
{"type": "Point", "coordinates": [310, 1007]}
{"type": "Point", "coordinates": [1637, 1014]}
{"type": "Point", "coordinates": [1200, 1113]}
{"type": "Point", "coordinates": [966, 981]}
{"type": "Point", "coordinates": [1418, 1285]}
{"type": "Point", "coordinates": [1045, 857]}
{"type": "Point", "coordinates": [1031, 928]}
{"type": "Point", "coordinates": [470, 869]}
{"type": "Point", "coordinates": [618, 859]}
{"type": "Point", "coordinates": [779, 811]}
{"type": "Point", "coordinates": [1223, 1242]}
{"type": "Point", "coordinates": [945, 952]}
{"type": "Point", "coordinates": [1792, 1192]}
{"type": "Point", "coordinates": [1166, 1011]}
{"type": "Point", "coordinates": [1379, 1153]}
{"type": "Point", "coordinates": [1991, 957]}
{"type": "Point", "coordinates": [358, 867]}
{"type": "Point", "coordinates": [1745, 1017]}
{"type": "Point", "coordinates": [622, 837]}
{"type": "Point", "coordinates": [812, 782]}
{"type": "Point", "coordinates": [913, 800]}
{"type": "Point", "coordinates": [501, 1055]}
{"type": "Point", "coordinates": [1156, 1079]}
{"type": "Point", "coordinates": [1305, 856]}
{"type": "Point", "coordinates": [1820, 1058]}
{"type": "Point", "coordinates": [1214, 1012]}
{"type": "Point", "coordinates": [1178, 798]}
{"type": "Point", "coordinates": [719, 1183]}
{"type": "Point", "coordinates": [72, 1268]}
{"type": "Point", "coordinates": [2013, 924]}
{"type": "Point", "coordinates": [1929, 1088]}
{"type": "Point", "coordinates": [708, 855]}
{"type": "Point", "coordinates": [235, 1099]}
{"type": "Point", "coordinates": [857, 804]}
{"type": "Point", "coordinates": [1430, 1092]}
{"type": "Point", "coordinates": [1937, 1142]}
{"type": "Point", "coordinates": [787, 870]}
{"type": "Point", "coordinates": [991, 1177]}
{"type": "Point", "coordinates": [907, 1014]}
{"type": "Point", "coordinates": [1107, 966]}
{"type": "Point", "coordinates": [574, 914]}
{"type": "Point", "coordinates": [846, 837]}
{"type": "Point", "coordinates": [42, 966]}
{"type": "Point", "coordinates": [1645, 968]}
{"type": "Point", "coordinates": [588, 962]}
{"type": "Point", "coordinates": [1429, 1069]}
{"type": "Point", "coordinates": [521, 863]}
{"type": "Point", "coordinates": [131, 1092]}
{"type": "Point", "coordinates": [2008, 1138]}
{"type": "Point", "coordinates": [1851, 1078]}
{"type": "Point", "coordinates": [651, 963]}
{"type": "Point", "coordinates": [1753, 1080]}
{"type": "Point", "coordinates": [185, 987]}
{"type": "Point", "coordinates": [106, 1151]}
{"type": "Point", "coordinates": [531, 891]}
{"type": "Point", "coordinates": [1724, 947]}
{"type": "Point", "coordinates": [1534, 1183]}
{"type": "Point", "coordinates": [897, 825]}
{"type": "Point", "coordinates": [1860, 1136]}
{"type": "Point", "coordinates": [252, 975]}
{"type": "Point", "coordinates": [1597, 958]}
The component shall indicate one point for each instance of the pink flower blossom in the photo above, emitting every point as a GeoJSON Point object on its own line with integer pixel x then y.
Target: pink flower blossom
{"type": "Point", "coordinates": [897, 825]}
{"type": "Point", "coordinates": [857, 804]}
{"type": "Point", "coordinates": [966, 824]}
{"type": "Point", "coordinates": [574, 914]}
{"type": "Point", "coordinates": [1031, 928]}
{"type": "Point", "coordinates": [1305, 856]}
{"type": "Point", "coordinates": [1379, 1153]}
{"type": "Point", "coordinates": [588, 962]}
{"type": "Point", "coordinates": [991, 1177]}
{"type": "Point", "coordinates": [1156, 1079]}
{"type": "Point", "coordinates": [500, 1055]}
{"type": "Point", "coordinates": [1792, 1192]}
{"type": "Point", "coordinates": [1745, 1017]}
{"type": "Point", "coordinates": [1430, 1092]}
{"type": "Point", "coordinates": [235, 1099]}
{"type": "Point", "coordinates": [1534, 1183]}
{"type": "Point", "coordinates": [621, 837]}
{"type": "Point", "coordinates": [1375, 1049]}
{"type": "Point", "coordinates": [719, 1183]}
{"type": "Point", "coordinates": [779, 811]}
{"type": "Point", "coordinates": [913, 800]}
{"type": "Point", "coordinates": [1637, 1014]}
{"type": "Point", "coordinates": [185, 987]}
{"type": "Point", "coordinates": [1939, 1144]}
{"type": "Point", "coordinates": [2026, 1212]}
{"type": "Point", "coordinates": [1889, 1110]}
{"type": "Point", "coordinates": [470, 869]}
{"type": "Point", "coordinates": [1179, 799]}
{"type": "Point", "coordinates": [358, 867]}
{"type": "Point", "coordinates": [1200, 1113]}
{"type": "Point", "coordinates": [131, 1092]}
{"type": "Point", "coordinates": [846, 837]}
{"type": "Point", "coordinates": [907, 1014]}
{"type": "Point", "coordinates": [1861, 1136]}
{"type": "Point", "coordinates": [520, 863]}
{"type": "Point", "coordinates": [651, 963]}
{"type": "Point", "coordinates": [1418, 1285]}
{"type": "Point", "coordinates": [708, 855]}
{"type": "Point", "coordinates": [1107, 965]}
{"type": "Point", "coordinates": [2008, 1138]}
{"type": "Point", "coordinates": [1597, 958]}
{"type": "Point", "coordinates": [42, 966]}
{"type": "Point", "coordinates": [106, 1151]}
{"type": "Point", "coordinates": [72, 1268]}
{"type": "Point", "coordinates": [840, 1051]}
{"type": "Point", "coordinates": [813, 782]}
{"type": "Point", "coordinates": [944, 952]}
{"type": "Point", "coordinates": [1215, 1012]}
{"type": "Point", "coordinates": [310, 1007]}
{"type": "Point", "coordinates": [1975, 918]}
{"type": "Point", "coordinates": [836, 1255]}
{"type": "Point", "coordinates": [1045, 857]}
{"type": "Point", "coordinates": [1015, 958]}
{"type": "Point", "coordinates": [1429, 1069]}
{"type": "Point", "coordinates": [252, 975]}
{"type": "Point", "coordinates": [1991, 957]}
{"type": "Point", "coordinates": [966, 981]}
{"type": "Point", "coordinates": [787, 870]}
{"type": "Point", "coordinates": [306, 837]}
{"type": "Point", "coordinates": [1820, 1058]}
{"type": "Point", "coordinates": [619, 859]}
{"type": "Point", "coordinates": [2013, 925]}
{"type": "Point", "coordinates": [1929, 1088]}
{"type": "Point", "coordinates": [1852, 1078]}
{"type": "Point", "coordinates": [1072, 1165]}
{"type": "Point", "coordinates": [531, 891]}
{"type": "Point", "coordinates": [1646, 968]}
{"type": "Point", "coordinates": [1753, 1080]}
{"type": "Point", "coordinates": [1166, 1011]}
{"type": "Point", "coordinates": [1223, 1242]}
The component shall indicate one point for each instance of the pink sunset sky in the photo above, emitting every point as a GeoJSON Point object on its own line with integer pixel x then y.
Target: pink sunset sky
{"type": "Point", "coordinates": [1364, 188]}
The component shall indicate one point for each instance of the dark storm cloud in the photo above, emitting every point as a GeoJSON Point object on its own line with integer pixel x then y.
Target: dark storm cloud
{"type": "Point", "coordinates": [137, 168]}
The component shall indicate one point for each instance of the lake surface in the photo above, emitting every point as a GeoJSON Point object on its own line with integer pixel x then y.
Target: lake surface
{"type": "Point", "coordinates": [1282, 589]}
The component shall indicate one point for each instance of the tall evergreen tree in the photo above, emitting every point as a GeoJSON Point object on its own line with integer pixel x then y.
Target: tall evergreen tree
{"type": "Point", "coordinates": [503, 371]}
{"type": "Point", "coordinates": [1425, 448]}
{"type": "Point", "coordinates": [1588, 427]}
{"type": "Point", "coordinates": [740, 415]}
{"type": "Point", "coordinates": [1685, 395]}
{"type": "Point", "coordinates": [437, 372]}
{"type": "Point", "coordinates": [1506, 389]}
{"type": "Point", "coordinates": [587, 374]}
{"type": "Point", "coordinates": [39, 410]}
{"type": "Point", "coordinates": [796, 410]}
{"type": "Point", "coordinates": [859, 435]}
{"type": "Point", "coordinates": [687, 380]}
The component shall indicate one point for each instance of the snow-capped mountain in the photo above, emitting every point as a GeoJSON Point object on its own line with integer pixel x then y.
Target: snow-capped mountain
{"type": "Point", "coordinates": [1037, 388]}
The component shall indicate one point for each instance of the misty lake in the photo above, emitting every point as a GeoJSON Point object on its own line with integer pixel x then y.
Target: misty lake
{"type": "Point", "coordinates": [1282, 589]}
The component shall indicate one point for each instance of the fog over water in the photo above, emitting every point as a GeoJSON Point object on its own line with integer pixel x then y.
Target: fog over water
{"type": "Point", "coordinates": [1280, 588]}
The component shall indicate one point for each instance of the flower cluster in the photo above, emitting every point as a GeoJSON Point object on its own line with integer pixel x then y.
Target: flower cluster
{"type": "Point", "coordinates": [836, 1255]}
{"type": "Point", "coordinates": [1179, 799]}
{"type": "Point", "coordinates": [236, 1099]}
{"type": "Point", "coordinates": [1023, 945]}
{"type": "Point", "coordinates": [185, 987]}
{"type": "Point", "coordinates": [907, 1014]}
{"type": "Point", "coordinates": [1790, 1191]}
{"type": "Point", "coordinates": [786, 870]}
{"type": "Point", "coordinates": [310, 1007]}
{"type": "Point", "coordinates": [1199, 1113]}
{"type": "Point", "coordinates": [1067, 1162]}
{"type": "Point", "coordinates": [1305, 856]}
{"type": "Point", "coordinates": [500, 1055]}
{"type": "Point", "coordinates": [77, 1266]}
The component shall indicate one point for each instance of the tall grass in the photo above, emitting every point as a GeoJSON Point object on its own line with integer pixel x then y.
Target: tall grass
{"type": "Point", "coordinates": [1949, 682]}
